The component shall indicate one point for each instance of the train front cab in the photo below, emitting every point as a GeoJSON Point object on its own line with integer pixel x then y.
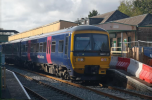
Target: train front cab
{"type": "Point", "coordinates": [90, 54]}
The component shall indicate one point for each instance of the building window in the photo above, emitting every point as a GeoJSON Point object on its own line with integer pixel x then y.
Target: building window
{"type": "Point", "coordinates": [129, 40]}
{"type": "Point", "coordinates": [61, 46]}
{"type": "Point", "coordinates": [66, 45]}
{"type": "Point", "coordinates": [53, 46]}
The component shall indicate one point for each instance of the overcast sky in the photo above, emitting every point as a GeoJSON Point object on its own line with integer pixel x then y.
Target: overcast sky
{"type": "Point", "coordinates": [22, 15]}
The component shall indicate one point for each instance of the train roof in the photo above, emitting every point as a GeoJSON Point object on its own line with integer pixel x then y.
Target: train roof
{"type": "Point", "coordinates": [63, 31]}
{"type": "Point", "coordinates": [86, 27]}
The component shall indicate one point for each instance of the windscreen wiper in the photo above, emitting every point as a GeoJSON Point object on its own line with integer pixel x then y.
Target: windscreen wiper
{"type": "Point", "coordinates": [86, 45]}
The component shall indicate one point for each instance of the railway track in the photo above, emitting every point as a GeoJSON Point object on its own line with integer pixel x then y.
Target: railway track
{"type": "Point", "coordinates": [34, 95]}
{"type": "Point", "coordinates": [44, 91]}
{"type": "Point", "coordinates": [96, 92]}
{"type": "Point", "coordinates": [131, 93]}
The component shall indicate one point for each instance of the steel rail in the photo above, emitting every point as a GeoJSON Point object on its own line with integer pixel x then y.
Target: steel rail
{"type": "Point", "coordinates": [34, 93]}
{"type": "Point", "coordinates": [132, 93]}
{"type": "Point", "coordinates": [56, 89]}
{"type": "Point", "coordinates": [80, 86]}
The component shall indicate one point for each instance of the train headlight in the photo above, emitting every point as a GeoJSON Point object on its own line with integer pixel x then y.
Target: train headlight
{"type": "Point", "coordinates": [104, 59]}
{"type": "Point", "coordinates": [79, 59]}
{"type": "Point", "coordinates": [82, 59]}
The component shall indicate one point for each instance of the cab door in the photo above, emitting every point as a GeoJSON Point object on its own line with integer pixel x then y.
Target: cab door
{"type": "Point", "coordinates": [66, 46]}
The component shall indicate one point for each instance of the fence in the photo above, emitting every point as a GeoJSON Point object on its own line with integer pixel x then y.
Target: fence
{"type": "Point", "coordinates": [138, 50]}
{"type": "Point", "coordinates": [3, 79]}
{"type": "Point", "coordinates": [2, 73]}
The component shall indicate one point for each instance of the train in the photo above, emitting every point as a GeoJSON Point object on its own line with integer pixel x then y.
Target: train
{"type": "Point", "coordinates": [76, 53]}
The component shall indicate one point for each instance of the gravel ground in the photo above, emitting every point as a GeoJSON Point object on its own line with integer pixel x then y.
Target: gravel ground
{"type": "Point", "coordinates": [140, 92]}
{"type": "Point", "coordinates": [117, 93]}
{"type": "Point", "coordinates": [82, 93]}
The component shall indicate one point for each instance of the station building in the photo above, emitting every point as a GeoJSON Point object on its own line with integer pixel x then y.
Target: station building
{"type": "Point", "coordinates": [5, 33]}
{"type": "Point", "coordinates": [55, 26]}
{"type": "Point", "coordinates": [115, 22]}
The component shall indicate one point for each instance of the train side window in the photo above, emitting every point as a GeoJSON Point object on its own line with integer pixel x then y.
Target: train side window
{"type": "Point", "coordinates": [34, 47]}
{"type": "Point", "coordinates": [61, 46]}
{"type": "Point", "coordinates": [17, 48]}
{"type": "Point", "coordinates": [26, 48]}
{"type": "Point", "coordinates": [44, 47]}
{"type": "Point", "coordinates": [53, 46]}
{"type": "Point", "coordinates": [37, 47]}
{"type": "Point", "coordinates": [22, 48]}
{"type": "Point", "coordinates": [41, 47]}
{"type": "Point", "coordinates": [66, 45]}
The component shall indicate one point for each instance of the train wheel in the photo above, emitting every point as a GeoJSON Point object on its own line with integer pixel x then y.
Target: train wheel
{"type": "Point", "coordinates": [33, 66]}
{"type": "Point", "coordinates": [65, 75]}
{"type": "Point", "coordinates": [25, 65]}
{"type": "Point", "coordinates": [57, 72]}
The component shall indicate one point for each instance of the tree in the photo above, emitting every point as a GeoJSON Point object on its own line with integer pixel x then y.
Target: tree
{"type": "Point", "coordinates": [126, 7]}
{"type": "Point", "coordinates": [145, 6]}
{"type": "Point", "coordinates": [93, 13]}
{"type": "Point", "coordinates": [135, 7]}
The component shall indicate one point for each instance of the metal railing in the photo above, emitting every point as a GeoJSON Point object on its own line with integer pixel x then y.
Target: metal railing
{"type": "Point", "coordinates": [118, 52]}
{"type": "Point", "coordinates": [138, 50]}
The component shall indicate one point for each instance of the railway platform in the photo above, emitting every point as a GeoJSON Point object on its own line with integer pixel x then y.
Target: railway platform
{"type": "Point", "coordinates": [126, 80]}
{"type": "Point", "coordinates": [13, 89]}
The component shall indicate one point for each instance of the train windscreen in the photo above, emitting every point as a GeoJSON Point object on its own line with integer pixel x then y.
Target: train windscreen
{"type": "Point", "coordinates": [91, 44]}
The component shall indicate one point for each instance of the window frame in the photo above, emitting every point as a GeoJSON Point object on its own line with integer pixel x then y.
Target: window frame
{"type": "Point", "coordinates": [26, 48]}
{"type": "Point", "coordinates": [54, 47]}
{"type": "Point", "coordinates": [45, 47]}
{"type": "Point", "coordinates": [59, 46]}
{"type": "Point", "coordinates": [40, 45]}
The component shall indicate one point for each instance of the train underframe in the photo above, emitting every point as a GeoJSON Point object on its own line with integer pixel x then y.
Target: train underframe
{"type": "Point", "coordinates": [59, 71]}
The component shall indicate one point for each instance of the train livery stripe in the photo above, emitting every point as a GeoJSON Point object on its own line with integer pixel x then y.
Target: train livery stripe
{"type": "Point", "coordinates": [28, 52]}
{"type": "Point", "coordinates": [48, 49]}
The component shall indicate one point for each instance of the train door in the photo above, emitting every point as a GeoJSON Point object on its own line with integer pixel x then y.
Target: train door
{"type": "Point", "coordinates": [28, 50]}
{"type": "Point", "coordinates": [48, 49]}
{"type": "Point", "coordinates": [66, 46]}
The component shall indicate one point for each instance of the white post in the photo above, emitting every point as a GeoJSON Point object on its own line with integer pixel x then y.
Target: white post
{"type": "Point", "coordinates": [121, 44]}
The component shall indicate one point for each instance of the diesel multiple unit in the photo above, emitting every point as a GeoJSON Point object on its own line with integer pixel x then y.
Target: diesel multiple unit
{"type": "Point", "coordinates": [80, 52]}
